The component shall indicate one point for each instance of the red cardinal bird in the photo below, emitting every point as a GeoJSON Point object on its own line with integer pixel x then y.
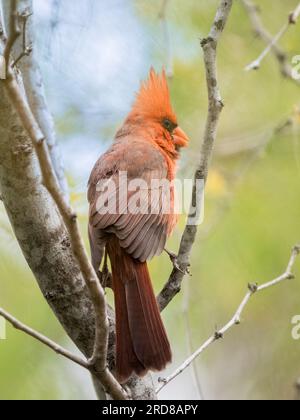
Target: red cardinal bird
{"type": "Point", "coordinates": [145, 148]}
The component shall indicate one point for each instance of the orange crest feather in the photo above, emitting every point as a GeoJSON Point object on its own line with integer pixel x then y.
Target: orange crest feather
{"type": "Point", "coordinates": [153, 100]}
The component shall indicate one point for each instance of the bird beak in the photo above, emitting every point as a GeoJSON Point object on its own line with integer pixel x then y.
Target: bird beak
{"type": "Point", "coordinates": [180, 138]}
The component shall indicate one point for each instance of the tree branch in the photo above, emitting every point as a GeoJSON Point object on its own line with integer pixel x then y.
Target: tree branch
{"type": "Point", "coordinates": [14, 31]}
{"type": "Point", "coordinates": [28, 63]}
{"type": "Point", "coordinates": [45, 242]}
{"type": "Point", "coordinates": [142, 389]}
{"type": "Point", "coordinates": [209, 46]}
{"type": "Point", "coordinates": [44, 340]}
{"type": "Point", "coordinates": [236, 319]}
{"type": "Point", "coordinates": [26, 48]}
{"type": "Point", "coordinates": [96, 291]}
{"type": "Point", "coordinates": [97, 294]}
{"type": "Point", "coordinates": [259, 29]}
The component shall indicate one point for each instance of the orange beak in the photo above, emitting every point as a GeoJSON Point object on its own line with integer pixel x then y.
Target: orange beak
{"type": "Point", "coordinates": [180, 138]}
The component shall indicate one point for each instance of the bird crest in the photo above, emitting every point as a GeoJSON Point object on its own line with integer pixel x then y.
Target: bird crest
{"type": "Point", "coordinates": [153, 99]}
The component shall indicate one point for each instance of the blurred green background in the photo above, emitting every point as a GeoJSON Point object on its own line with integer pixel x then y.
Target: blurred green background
{"type": "Point", "coordinates": [252, 201]}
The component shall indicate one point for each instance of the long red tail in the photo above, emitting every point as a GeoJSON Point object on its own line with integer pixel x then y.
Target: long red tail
{"type": "Point", "coordinates": [142, 342]}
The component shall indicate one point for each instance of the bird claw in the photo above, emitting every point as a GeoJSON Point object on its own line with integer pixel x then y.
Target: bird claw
{"type": "Point", "coordinates": [105, 278]}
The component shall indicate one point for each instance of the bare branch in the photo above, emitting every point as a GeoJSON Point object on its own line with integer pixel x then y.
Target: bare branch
{"type": "Point", "coordinates": [61, 282]}
{"type": "Point", "coordinates": [14, 31]}
{"type": "Point", "coordinates": [97, 294]}
{"type": "Point", "coordinates": [44, 340]}
{"type": "Point", "coordinates": [28, 63]}
{"type": "Point", "coordinates": [174, 260]}
{"type": "Point", "coordinates": [236, 319]}
{"type": "Point", "coordinates": [255, 65]}
{"type": "Point", "coordinates": [271, 41]}
{"type": "Point", "coordinates": [74, 358]}
{"type": "Point", "coordinates": [209, 46]}
{"type": "Point", "coordinates": [26, 49]}
{"type": "Point", "coordinates": [70, 219]}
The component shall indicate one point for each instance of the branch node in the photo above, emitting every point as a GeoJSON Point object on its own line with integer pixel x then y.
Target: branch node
{"type": "Point", "coordinates": [27, 49]}
{"type": "Point", "coordinates": [293, 18]}
{"type": "Point", "coordinates": [253, 287]}
{"type": "Point", "coordinates": [218, 336]}
{"type": "Point", "coordinates": [74, 217]}
{"type": "Point", "coordinates": [238, 321]}
{"type": "Point", "coordinates": [205, 41]}
{"type": "Point", "coordinates": [93, 366]}
{"type": "Point", "coordinates": [174, 259]}
{"type": "Point", "coordinates": [271, 41]}
{"type": "Point", "coordinates": [296, 249]}
{"type": "Point", "coordinates": [221, 103]}
{"type": "Point", "coordinates": [40, 141]}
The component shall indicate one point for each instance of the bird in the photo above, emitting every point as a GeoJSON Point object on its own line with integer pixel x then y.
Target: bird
{"type": "Point", "coordinates": [146, 148]}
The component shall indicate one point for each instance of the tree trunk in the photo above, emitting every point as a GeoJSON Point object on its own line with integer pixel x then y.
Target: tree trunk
{"type": "Point", "coordinates": [44, 240]}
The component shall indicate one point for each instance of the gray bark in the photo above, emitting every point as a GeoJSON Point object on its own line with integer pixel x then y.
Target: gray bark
{"type": "Point", "coordinates": [35, 91]}
{"type": "Point", "coordinates": [45, 243]}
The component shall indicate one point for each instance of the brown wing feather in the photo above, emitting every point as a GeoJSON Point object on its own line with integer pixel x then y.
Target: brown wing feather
{"type": "Point", "coordinates": [141, 235]}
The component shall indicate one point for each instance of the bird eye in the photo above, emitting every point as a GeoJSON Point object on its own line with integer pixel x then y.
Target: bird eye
{"type": "Point", "coordinates": [168, 125]}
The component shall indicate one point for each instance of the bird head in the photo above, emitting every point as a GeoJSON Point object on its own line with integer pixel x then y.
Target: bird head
{"type": "Point", "coordinates": [152, 110]}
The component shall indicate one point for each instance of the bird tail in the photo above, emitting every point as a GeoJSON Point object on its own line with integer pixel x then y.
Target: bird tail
{"type": "Point", "coordinates": [141, 340]}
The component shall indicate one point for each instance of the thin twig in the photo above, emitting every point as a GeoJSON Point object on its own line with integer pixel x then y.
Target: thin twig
{"type": "Point", "coordinates": [209, 46]}
{"type": "Point", "coordinates": [26, 49]}
{"type": "Point", "coordinates": [271, 41]}
{"type": "Point", "coordinates": [97, 293]}
{"type": "Point", "coordinates": [14, 31]}
{"type": "Point", "coordinates": [237, 317]}
{"type": "Point", "coordinates": [44, 340]}
{"type": "Point", "coordinates": [29, 67]}
{"type": "Point", "coordinates": [98, 360]}
{"type": "Point", "coordinates": [255, 65]}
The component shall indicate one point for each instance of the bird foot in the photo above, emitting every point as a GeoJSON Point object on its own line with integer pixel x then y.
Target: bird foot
{"type": "Point", "coordinates": [105, 278]}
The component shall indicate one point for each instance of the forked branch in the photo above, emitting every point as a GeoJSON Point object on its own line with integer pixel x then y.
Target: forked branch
{"type": "Point", "coordinates": [237, 317]}
{"type": "Point", "coordinates": [271, 41]}
{"type": "Point", "coordinates": [43, 339]}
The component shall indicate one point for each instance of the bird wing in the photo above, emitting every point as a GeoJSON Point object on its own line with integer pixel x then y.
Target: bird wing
{"type": "Point", "coordinates": [142, 234]}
